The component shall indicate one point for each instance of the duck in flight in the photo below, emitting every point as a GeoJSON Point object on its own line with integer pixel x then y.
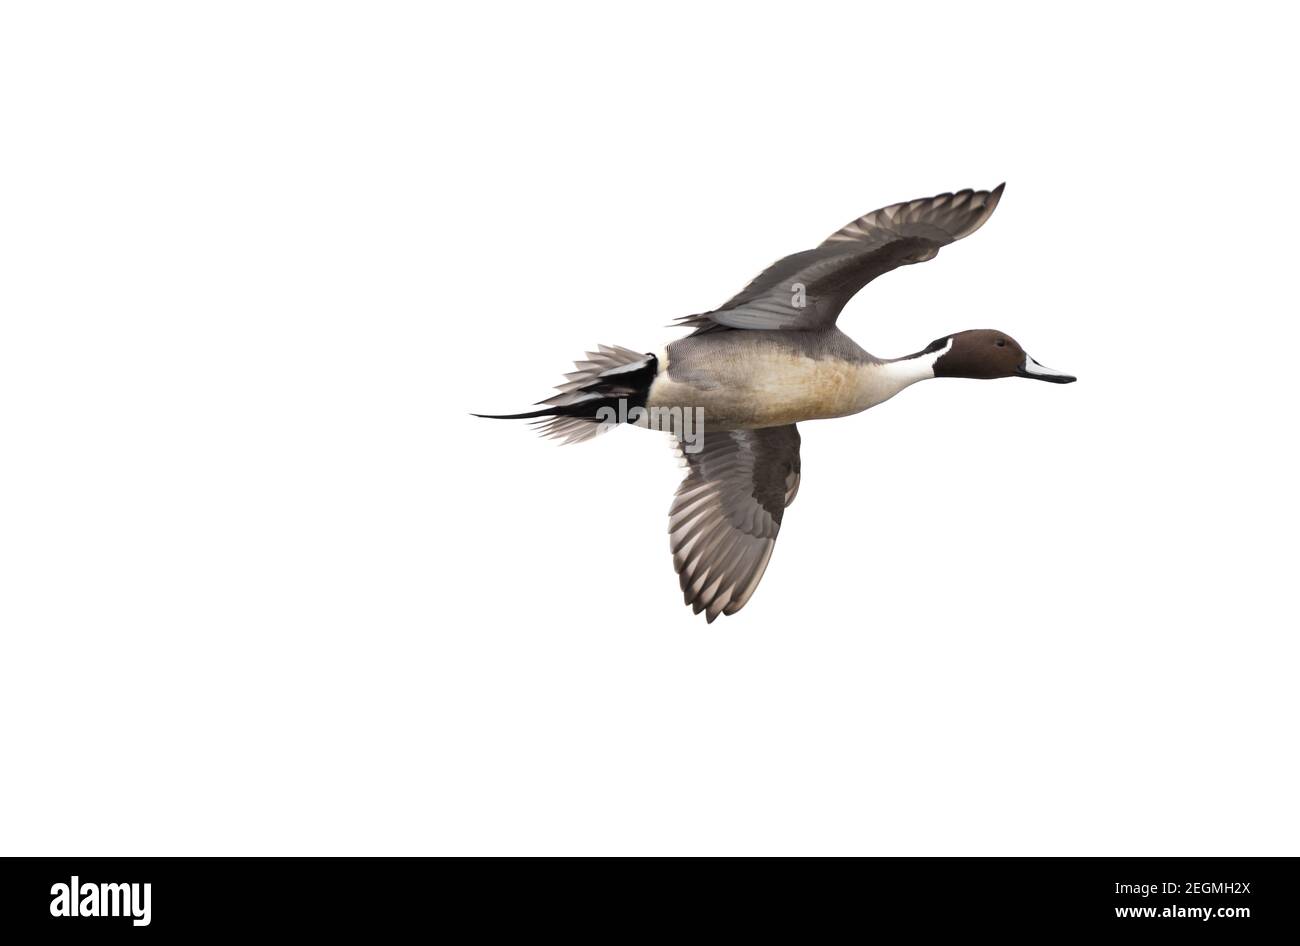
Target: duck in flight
{"type": "Point", "coordinates": [732, 392]}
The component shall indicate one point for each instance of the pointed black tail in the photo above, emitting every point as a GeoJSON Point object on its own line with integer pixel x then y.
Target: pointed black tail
{"type": "Point", "coordinates": [606, 386]}
{"type": "Point", "coordinates": [544, 412]}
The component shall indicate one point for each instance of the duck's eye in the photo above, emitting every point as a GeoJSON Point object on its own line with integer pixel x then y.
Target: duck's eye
{"type": "Point", "coordinates": [1001, 343]}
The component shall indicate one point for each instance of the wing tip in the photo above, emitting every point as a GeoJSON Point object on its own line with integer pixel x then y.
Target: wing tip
{"type": "Point", "coordinates": [995, 195]}
{"type": "Point", "coordinates": [982, 214]}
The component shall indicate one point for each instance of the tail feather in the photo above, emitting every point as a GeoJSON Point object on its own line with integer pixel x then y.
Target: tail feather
{"type": "Point", "coordinates": [605, 358]}
{"type": "Point", "coordinates": [524, 416]}
{"type": "Point", "coordinates": [569, 429]}
{"type": "Point", "coordinates": [610, 377]}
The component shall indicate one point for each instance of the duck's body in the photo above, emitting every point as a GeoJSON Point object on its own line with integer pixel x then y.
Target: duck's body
{"type": "Point", "coordinates": [750, 380]}
{"type": "Point", "coordinates": [732, 392]}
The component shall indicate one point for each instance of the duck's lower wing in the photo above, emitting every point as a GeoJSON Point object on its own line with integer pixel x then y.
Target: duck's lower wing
{"type": "Point", "coordinates": [727, 512]}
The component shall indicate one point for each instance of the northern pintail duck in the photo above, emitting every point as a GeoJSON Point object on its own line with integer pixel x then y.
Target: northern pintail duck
{"type": "Point", "coordinates": [733, 390]}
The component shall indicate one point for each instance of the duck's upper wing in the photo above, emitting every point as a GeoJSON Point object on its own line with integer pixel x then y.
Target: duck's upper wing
{"type": "Point", "coordinates": [726, 514]}
{"type": "Point", "coordinates": [808, 290]}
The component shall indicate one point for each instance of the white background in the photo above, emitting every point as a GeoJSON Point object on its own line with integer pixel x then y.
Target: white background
{"type": "Point", "coordinates": [267, 587]}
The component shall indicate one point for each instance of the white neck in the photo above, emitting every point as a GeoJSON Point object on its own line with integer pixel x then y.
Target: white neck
{"type": "Point", "coordinates": [879, 381]}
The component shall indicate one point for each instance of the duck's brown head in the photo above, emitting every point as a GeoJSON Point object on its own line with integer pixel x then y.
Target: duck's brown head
{"type": "Point", "coordinates": [987, 353]}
